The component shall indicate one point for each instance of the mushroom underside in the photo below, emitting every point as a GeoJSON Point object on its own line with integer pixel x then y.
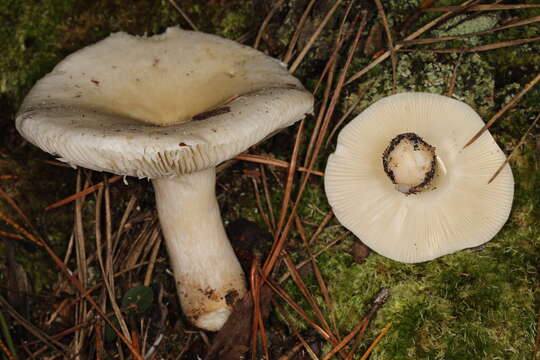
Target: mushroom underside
{"type": "Point", "coordinates": [459, 209]}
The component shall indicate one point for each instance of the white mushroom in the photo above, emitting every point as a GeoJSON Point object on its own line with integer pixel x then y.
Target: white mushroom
{"type": "Point", "coordinates": [402, 182]}
{"type": "Point", "coordinates": [160, 107]}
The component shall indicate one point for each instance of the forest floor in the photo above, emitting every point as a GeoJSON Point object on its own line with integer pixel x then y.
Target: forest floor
{"type": "Point", "coordinates": [479, 303]}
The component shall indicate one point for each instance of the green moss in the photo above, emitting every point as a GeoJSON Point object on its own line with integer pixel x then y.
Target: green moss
{"type": "Point", "coordinates": [397, 11]}
{"type": "Point", "coordinates": [230, 19]}
{"type": "Point", "coordinates": [236, 22]}
{"type": "Point", "coordinates": [464, 24]}
{"type": "Point", "coordinates": [30, 37]}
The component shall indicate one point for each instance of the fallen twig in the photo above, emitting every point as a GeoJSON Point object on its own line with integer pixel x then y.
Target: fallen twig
{"type": "Point", "coordinates": [267, 198]}
{"type": "Point", "coordinates": [298, 309]}
{"type": "Point", "coordinates": [305, 262]}
{"type": "Point", "coordinates": [9, 346]}
{"type": "Point", "coordinates": [20, 229]}
{"type": "Point", "coordinates": [318, 276]}
{"type": "Point", "coordinates": [379, 301]}
{"type": "Point", "coordinates": [505, 108]}
{"type": "Point", "coordinates": [390, 42]}
{"type": "Point", "coordinates": [17, 209]}
{"type": "Point", "coordinates": [344, 117]}
{"type": "Point", "coordinates": [307, 295]}
{"type": "Point", "coordinates": [57, 163]}
{"type": "Point", "coordinates": [480, 48]}
{"type": "Point", "coordinates": [184, 15]}
{"type": "Point", "coordinates": [329, 215]}
{"type": "Point", "coordinates": [11, 235]}
{"type": "Point", "coordinates": [265, 22]}
{"type": "Point", "coordinates": [467, 4]}
{"type": "Point", "coordinates": [484, 7]}
{"type": "Point", "coordinates": [514, 151]}
{"type": "Point", "coordinates": [84, 192]}
{"type": "Point", "coordinates": [280, 242]}
{"type": "Point", "coordinates": [290, 178]}
{"type": "Point", "coordinates": [314, 37]}
{"type": "Point", "coordinates": [376, 341]}
{"type": "Point", "coordinates": [6, 351]}
{"type": "Point", "coordinates": [297, 31]}
{"type": "Point", "coordinates": [457, 37]}
{"type": "Point", "coordinates": [452, 83]}
{"type": "Point", "coordinates": [275, 162]}
{"type": "Point", "coordinates": [31, 328]}
{"type": "Point", "coordinates": [346, 339]}
{"type": "Point", "coordinates": [295, 331]}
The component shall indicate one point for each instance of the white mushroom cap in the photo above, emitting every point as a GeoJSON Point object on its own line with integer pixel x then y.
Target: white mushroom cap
{"type": "Point", "coordinates": [169, 107]}
{"type": "Point", "coordinates": [129, 105]}
{"type": "Point", "coordinates": [459, 210]}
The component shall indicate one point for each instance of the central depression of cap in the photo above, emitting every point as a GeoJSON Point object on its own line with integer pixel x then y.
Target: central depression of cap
{"type": "Point", "coordinates": [146, 106]}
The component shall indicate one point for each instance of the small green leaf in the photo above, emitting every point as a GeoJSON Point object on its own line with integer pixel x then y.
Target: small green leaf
{"type": "Point", "coordinates": [109, 334]}
{"type": "Point", "coordinates": [142, 296]}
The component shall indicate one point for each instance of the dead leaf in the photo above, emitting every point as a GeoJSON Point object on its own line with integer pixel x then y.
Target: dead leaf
{"type": "Point", "coordinates": [359, 252]}
{"type": "Point", "coordinates": [233, 340]}
{"type": "Point", "coordinates": [247, 238]}
{"type": "Point", "coordinates": [374, 41]}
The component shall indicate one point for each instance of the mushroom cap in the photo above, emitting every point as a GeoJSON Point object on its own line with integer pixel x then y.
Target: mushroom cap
{"type": "Point", "coordinates": [461, 211]}
{"type": "Point", "coordinates": [160, 106]}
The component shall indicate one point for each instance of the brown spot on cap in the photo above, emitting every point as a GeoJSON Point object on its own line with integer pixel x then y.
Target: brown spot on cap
{"type": "Point", "coordinates": [215, 112]}
{"type": "Point", "coordinates": [209, 293]}
{"type": "Point", "coordinates": [231, 297]}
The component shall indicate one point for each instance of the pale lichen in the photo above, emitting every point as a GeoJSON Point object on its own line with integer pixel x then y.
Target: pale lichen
{"type": "Point", "coordinates": [464, 25]}
{"type": "Point", "coordinates": [432, 73]}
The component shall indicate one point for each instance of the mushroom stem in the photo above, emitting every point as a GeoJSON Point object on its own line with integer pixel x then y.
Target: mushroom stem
{"type": "Point", "coordinates": [209, 278]}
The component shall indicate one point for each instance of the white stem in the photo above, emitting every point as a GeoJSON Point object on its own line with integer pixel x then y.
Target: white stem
{"type": "Point", "coordinates": [208, 276]}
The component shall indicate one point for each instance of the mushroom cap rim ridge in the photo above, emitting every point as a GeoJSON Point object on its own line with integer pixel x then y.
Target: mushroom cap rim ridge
{"type": "Point", "coordinates": [182, 150]}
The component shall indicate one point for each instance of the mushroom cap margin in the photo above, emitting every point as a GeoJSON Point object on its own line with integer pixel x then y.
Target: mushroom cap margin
{"type": "Point", "coordinates": [107, 142]}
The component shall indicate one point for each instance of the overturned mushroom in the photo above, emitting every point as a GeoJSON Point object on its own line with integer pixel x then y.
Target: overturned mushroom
{"type": "Point", "coordinates": [402, 182]}
{"type": "Point", "coordinates": [169, 107]}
